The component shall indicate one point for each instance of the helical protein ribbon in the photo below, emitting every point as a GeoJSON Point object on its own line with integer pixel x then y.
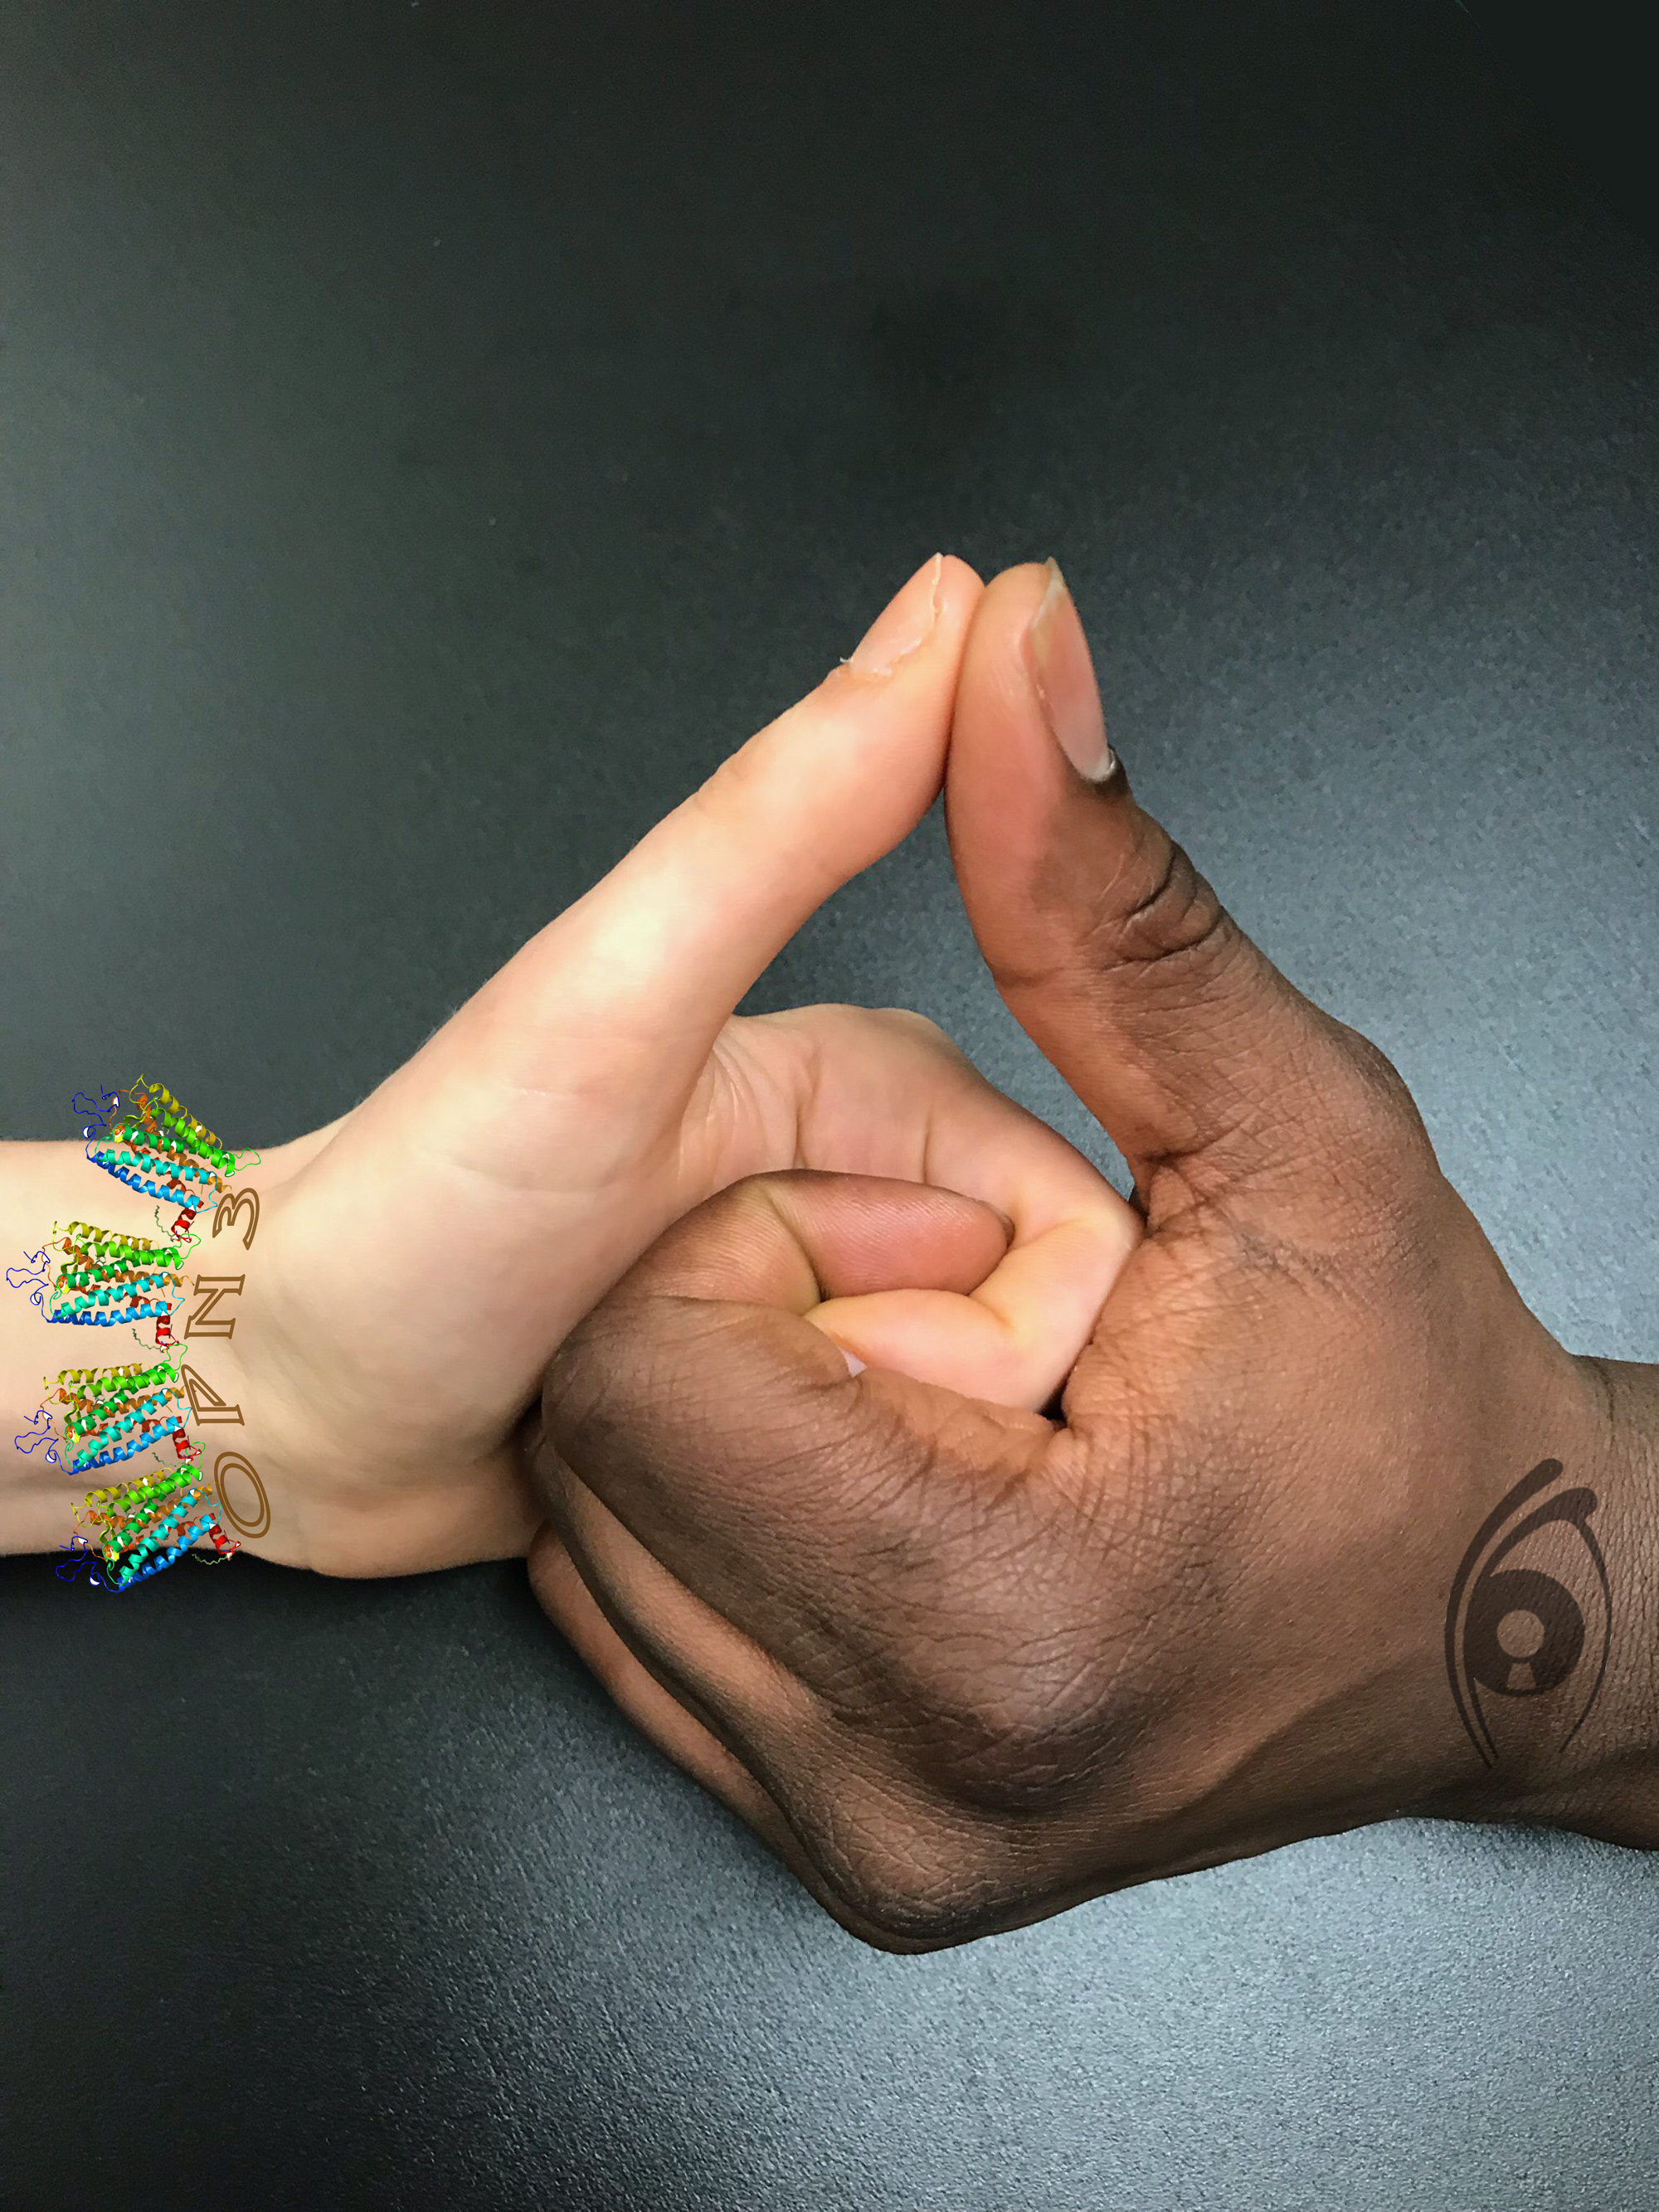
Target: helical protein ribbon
{"type": "Point", "coordinates": [91, 1277]}
{"type": "Point", "coordinates": [156, 1147]}
{"type": "Point", "coordinates": [105, 1277]}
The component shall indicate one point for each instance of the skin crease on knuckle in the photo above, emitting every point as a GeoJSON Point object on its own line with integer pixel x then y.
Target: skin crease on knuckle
{"type": "Point", "coordinates": [1152, 909]}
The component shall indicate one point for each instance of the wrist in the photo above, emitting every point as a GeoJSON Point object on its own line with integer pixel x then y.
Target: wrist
{"type": "Point", "coordinates": [1605, 1783]}
{"type": "Point", "coordinates": [44, 1185]}
{"type": "Point", "coordinates": [44, 1188]}
{"type": "Point", "coordinates": [362, 1477]}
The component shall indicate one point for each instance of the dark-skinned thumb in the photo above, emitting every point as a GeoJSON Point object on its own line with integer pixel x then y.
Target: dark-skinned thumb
{"type": "Point", "coordinates": [1112, 952]}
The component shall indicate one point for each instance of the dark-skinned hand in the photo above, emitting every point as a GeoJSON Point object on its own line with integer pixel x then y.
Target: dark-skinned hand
{"type": "Point", "coordinates": [1327, 1526]}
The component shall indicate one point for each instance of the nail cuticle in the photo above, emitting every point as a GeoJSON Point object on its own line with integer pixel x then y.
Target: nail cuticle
{"type": "Point", "coordinates": [901, 629]}
{"type": "Point", "coordinates": [1062, 676]}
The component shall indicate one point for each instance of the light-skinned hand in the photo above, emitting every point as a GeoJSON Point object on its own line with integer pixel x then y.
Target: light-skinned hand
{"type": "Point", "coordinates": [415, 1264]}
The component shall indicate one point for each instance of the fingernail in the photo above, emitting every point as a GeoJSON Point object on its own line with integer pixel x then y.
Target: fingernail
{"type": "Point", "coordinates": [903, 624]}
{"type": "Point", "coordinates": [854, 1365]}
{"type": "Point", "coordinates": [1057, 655]}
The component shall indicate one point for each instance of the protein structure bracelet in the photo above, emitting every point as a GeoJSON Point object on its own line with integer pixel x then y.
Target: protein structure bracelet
{"type": "Point", "coordinates": [89, 1276]}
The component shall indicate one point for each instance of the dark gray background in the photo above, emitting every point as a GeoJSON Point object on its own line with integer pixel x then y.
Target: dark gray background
{"type": "Point", "coordinates": [430, 436]}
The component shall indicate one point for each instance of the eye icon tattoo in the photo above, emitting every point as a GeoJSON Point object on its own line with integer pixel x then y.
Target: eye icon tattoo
{"type": "Point", "coordinates": [1530, 1615]}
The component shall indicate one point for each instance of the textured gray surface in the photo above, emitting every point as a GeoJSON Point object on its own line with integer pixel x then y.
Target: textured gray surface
{"type": "Point", "coordinates": [429, 437]}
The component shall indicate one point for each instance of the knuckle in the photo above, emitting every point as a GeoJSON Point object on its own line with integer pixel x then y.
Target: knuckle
{"type": "Point", "coordinates": [892, 1026]}
{"type": "Point", "coordinates": [1008, 1769]}
{"type": "Point", "coordinates": [1384, 1095]}
{"type": "Point", "coordinates": [1126, 1581]}
{"type": "Point", "coordinates": [900, 1919]}
{"type": "Point", "coordinates": [1036, 1728]}
{"type": "Point", "coordinates": [906, 1877]}
{"type": "Point", "coordinates": [1015, 1711]}
{"type": "Point", "coordinates": [727, 796]}
{"type": "Point", "coordinates": [1156, 911]}
{"type": "Point", "coordinates": [1368, 1133]}
{"type": "Point", "coordinates": [901, 1022]}
{"type": "Point", "coordinates": [1006, 1664]}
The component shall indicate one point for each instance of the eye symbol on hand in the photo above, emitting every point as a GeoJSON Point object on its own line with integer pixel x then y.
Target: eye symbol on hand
{"type": "Point", "coordinates": [1530, 1612]}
